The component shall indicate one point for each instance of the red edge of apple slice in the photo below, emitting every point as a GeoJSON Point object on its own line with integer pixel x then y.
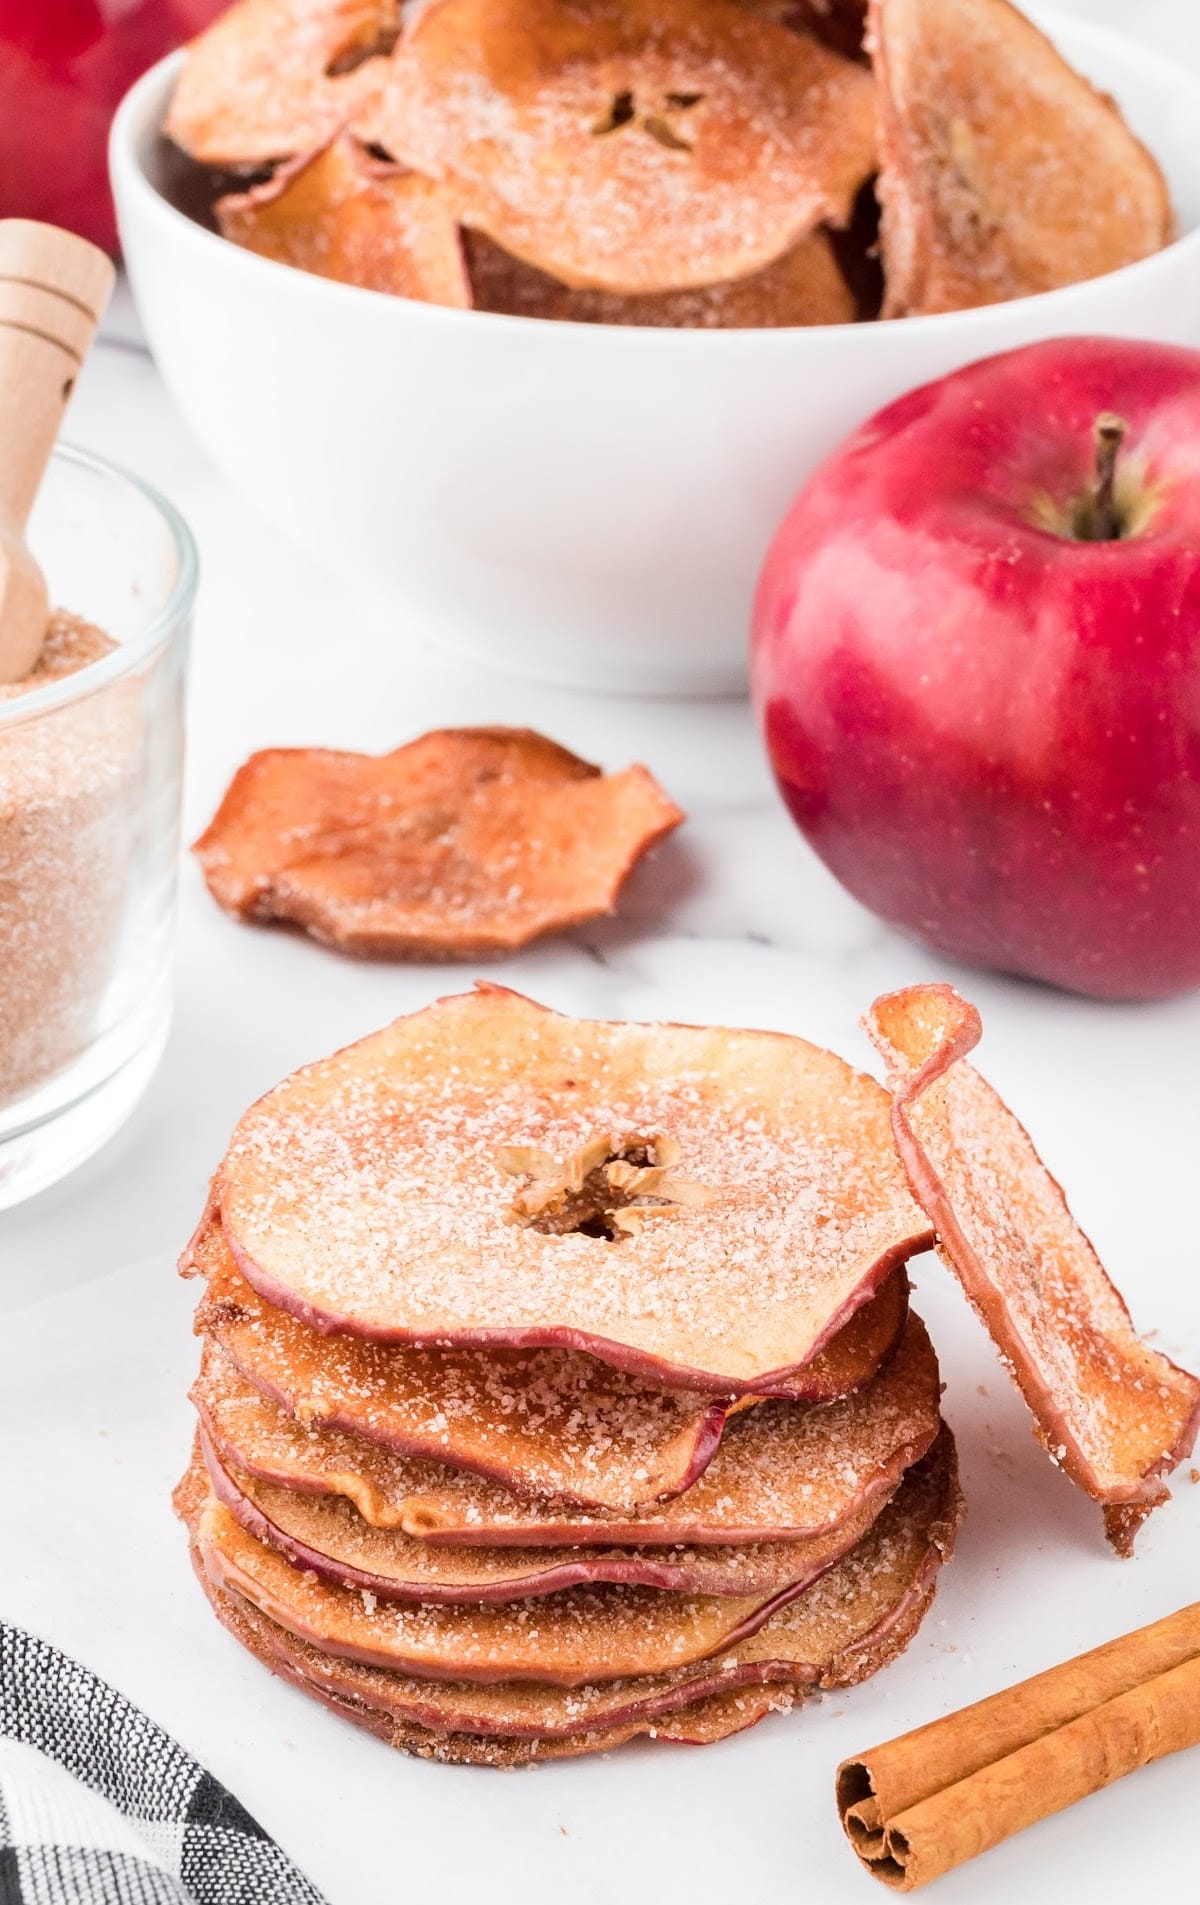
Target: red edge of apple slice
{"type": "Point", "coordinates": [789, 1383]}
{"type": "Point", "coordinates": [938, 1510]}
{"type": "Point", "coordinates": [667, 1571]}
{"type": "Point", "coordinates": [923, 1035]}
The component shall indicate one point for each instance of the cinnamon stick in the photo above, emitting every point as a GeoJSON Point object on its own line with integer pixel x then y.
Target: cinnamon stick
{"type": "Point", "coordinates": [925, 1803]}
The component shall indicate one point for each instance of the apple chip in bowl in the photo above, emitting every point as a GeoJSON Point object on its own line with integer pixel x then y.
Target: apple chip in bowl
{"type": "Point", "coordinates": [659, 147]}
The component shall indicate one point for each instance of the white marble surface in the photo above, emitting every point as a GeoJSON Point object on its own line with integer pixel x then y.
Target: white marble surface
{"type": "Point", "coordinates": [734, 921]}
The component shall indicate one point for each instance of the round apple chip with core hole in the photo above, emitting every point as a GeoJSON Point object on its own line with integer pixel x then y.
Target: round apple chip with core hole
{"type": "Point", "coordinates": [659, 145]}
{"type": "Point", "coordinates": [706, 1207]}
{"type": "Point", "coordinates": [344, 215]}
{"type": "Point", "coordinates": [273, 78]}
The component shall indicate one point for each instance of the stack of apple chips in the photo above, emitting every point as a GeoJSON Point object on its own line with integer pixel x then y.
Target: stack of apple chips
{"type": "Point", "coordinates": [559, 1383]}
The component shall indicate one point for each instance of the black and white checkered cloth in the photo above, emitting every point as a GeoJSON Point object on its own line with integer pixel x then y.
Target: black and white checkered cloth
{"type": "Point", "coordinates": [98, 1806]}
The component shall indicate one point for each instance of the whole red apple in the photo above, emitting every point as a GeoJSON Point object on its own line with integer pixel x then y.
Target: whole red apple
{"type": "Point", "coordinates": [976, 659]}
{"type": "Point", "coordinates": [64, 66]}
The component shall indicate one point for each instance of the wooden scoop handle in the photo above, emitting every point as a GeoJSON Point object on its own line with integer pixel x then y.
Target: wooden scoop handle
{"type": "Point", "coordinates": [53, 290]}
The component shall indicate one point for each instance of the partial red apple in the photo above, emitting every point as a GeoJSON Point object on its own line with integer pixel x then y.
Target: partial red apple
{"type": "Point", "coordinates": [64, 66]}
{"type": "Point", "coordinates": [976, 660]}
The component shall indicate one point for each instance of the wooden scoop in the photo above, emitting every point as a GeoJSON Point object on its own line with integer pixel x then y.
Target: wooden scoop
{"type": "Point", "coordinates": [53, 290]}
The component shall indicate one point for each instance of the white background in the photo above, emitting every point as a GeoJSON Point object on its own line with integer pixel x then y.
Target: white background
{"type": "Point", "coordinates": [733, 922]}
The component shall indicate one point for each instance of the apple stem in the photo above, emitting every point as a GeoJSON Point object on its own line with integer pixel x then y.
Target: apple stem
{"type": "Point", "coordinates": [1105, 524]}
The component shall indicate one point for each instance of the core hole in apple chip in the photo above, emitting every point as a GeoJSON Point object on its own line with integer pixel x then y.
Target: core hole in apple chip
{"type": "Point", "coordinates": [273, 78]}
{"type": "Point", "coordinates": [846, 1625]}
{"type": "Point", "coordinates": [1004, 172]}
{"type": "Point", "coordinates": [395, 1191]}
{"type": "Point", "coordinates": [1111, 1410]}
{"type": "Point", "coordinates": [803, 287]}
{"type": "Point", "coordinates": [342, 215]}
{"type": "Point", "coordinates": [466, 842]}
{"type": "Point", "coordinates": [657, 145]}
{"type": "Point", "coordinates": [783, 1471]}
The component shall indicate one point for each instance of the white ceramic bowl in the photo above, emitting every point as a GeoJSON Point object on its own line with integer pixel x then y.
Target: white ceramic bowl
{"type": "Point", "coordinates": [584, 504]}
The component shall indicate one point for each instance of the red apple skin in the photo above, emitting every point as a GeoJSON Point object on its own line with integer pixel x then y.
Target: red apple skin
{"type": "Point", "coordinates": [990, 732]}
{"type": "Point", "coordinates": [64, 67]}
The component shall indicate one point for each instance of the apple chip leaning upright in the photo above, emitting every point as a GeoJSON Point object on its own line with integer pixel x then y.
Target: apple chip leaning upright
{"type": "Point", "coordinates": [703, 1206]}
{"type": "Point", "coordinates": [1111, 1410]}
{"type": "Point", "coordinates": [649, 146]}
{"type": "Point", "coordinates": [1003, 173]}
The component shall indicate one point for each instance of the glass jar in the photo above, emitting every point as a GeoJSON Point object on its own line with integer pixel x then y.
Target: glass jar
{"type": "Point", "coordinates": [90, 775]}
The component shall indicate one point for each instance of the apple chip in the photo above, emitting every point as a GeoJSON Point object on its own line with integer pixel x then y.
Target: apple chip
{"type": "Point", "coordinates": [1003, 171]}
{"type": "Point", "coordinates": [653, 146]}
{"type": "Point", "coordinates": [704, 1724]}
{"type": "Point", "coordinates": [273, 78]}
{"type": "Point", "coordinates": [321, 1679]}
{"type": "Point", "coordinates": [844, 1627]}
{"type": "Point", "coordinates": [328, 1538]}
{"type": "Point", "coordinates": [466, 842]}
{"type": "Point", "coordinates": [342, 214]}
{"type": "Point", "coordinates": [770, 1479]}
{"type": "Point", "coordinates": [546, 1422]}
{"type": "Point", "coordinates": [805, 286]}
{"type": "Point", "coordinates": [573, 1639]}
{"type": "Point", "coordinates": [705, 1207]}
{"type": "Point", "coordinates": [549, 1423]}
{"type": "Point", "coordinates": [1114, 1413]}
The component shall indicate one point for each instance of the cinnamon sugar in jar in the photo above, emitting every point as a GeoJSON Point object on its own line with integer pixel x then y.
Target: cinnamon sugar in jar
{"type": "Point", "coordinates": [91, 745]}
{"type": "Point", "coordinates": [67, 797]}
